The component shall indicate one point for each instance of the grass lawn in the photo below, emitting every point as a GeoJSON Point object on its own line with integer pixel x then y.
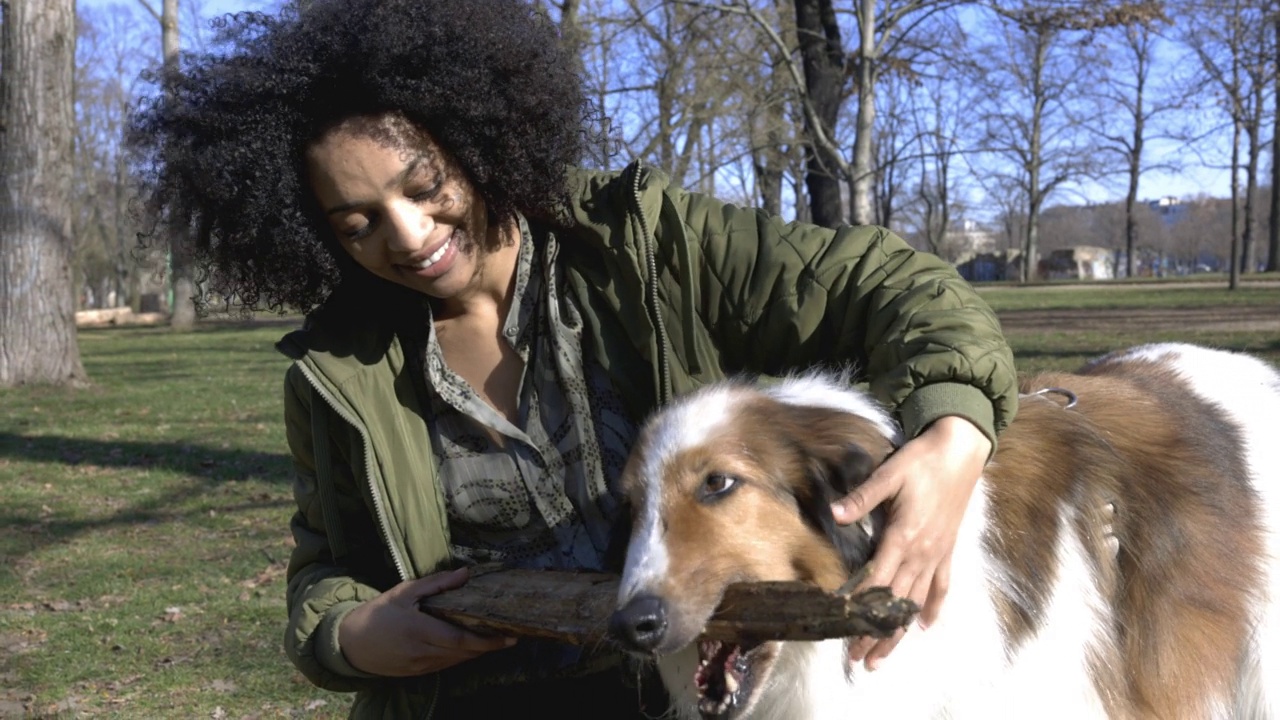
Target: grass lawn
{"type": "Point", "coordinates": [143, 532]}
{"type": "Point", "coordinates": [1059, 328]}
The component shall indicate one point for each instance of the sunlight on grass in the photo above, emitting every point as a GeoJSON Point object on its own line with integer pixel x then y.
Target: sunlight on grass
{"type": "Point", "coordinates": [144, 531]}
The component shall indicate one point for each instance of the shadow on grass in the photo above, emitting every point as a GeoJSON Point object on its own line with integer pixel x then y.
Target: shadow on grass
{"type": "Point", "coordinates": [199, 468]}
{"type": "Point", "coordinates": [208, 463]}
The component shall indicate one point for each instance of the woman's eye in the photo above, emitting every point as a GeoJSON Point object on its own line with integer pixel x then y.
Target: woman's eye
{"type": "Point", "coordinates": [355, 229]}
{"type": "Point", "coordinates": [427, 195]}
{"type": "Point", "coordinates": [716, 484]}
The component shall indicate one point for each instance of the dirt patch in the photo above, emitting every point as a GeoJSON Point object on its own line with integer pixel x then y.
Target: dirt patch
{"type": "Point", "coordinates": [1119, 320]}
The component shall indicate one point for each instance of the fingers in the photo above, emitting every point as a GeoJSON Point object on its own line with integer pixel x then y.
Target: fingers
{"type": "Point", "coordinates": [925, 585]}
{"type": "Point", "coordinates": [389, 635]}
{"type": "Point", "coordinates": [937, 593]}
{"type": "Point", "coordinates": [438, 633]}
{"type": "Point", "coordinates": [866, 497]}
{"type": "Point", "coordinates": [881, 649]}
{"type": "Point", "coordinates": [437, 583]}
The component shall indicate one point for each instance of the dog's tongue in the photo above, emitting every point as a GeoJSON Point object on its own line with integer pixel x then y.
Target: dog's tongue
{"type": "Point", "coordinates": [718, 677]}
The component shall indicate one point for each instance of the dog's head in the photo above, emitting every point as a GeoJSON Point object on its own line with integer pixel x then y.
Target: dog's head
{"type": "Point", "coordinates": [732, 484]}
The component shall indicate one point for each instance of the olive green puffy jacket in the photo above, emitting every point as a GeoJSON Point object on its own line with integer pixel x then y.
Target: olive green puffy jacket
{"type": "Point", "coordinates": [676, 290]}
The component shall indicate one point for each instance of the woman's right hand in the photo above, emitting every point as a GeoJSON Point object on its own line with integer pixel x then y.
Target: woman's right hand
{"type": "Point", "coordinates": [390, 636]}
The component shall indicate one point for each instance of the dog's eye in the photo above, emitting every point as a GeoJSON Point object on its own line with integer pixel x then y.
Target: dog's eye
{"type": "Point", "coordinates": [716, 484]}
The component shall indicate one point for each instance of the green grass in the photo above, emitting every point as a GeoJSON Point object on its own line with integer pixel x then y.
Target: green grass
{"type": "Point", "coordinates": [1144, 295]}
{"type": "Point", "coordinates": [144, 527]}
{"type": "Point", "coordinates": [144, 533]}
{"type": "Point", "coordinates": [1058, 328]}
{"type": "Point", "coordinates": [1055, 350]}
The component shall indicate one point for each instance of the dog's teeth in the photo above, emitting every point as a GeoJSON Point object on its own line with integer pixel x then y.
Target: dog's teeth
{"type": "Point", "coordinates": [730, 684]}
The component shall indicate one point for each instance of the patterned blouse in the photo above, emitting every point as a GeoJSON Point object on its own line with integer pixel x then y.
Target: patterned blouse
{"type": "Point", "coordinates": [534, 494]}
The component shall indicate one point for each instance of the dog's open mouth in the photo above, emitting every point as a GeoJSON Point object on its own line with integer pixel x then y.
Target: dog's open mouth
{"type": "Point", "coordinates": [725, 677]}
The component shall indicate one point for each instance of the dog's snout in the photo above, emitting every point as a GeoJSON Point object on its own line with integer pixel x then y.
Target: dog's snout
{"type": "Point", "coordinates": [641, 623]}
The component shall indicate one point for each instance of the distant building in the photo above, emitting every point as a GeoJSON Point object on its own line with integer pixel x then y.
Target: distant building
{"type": "Point", "coordinates": [1169, 208]}
{"type": "Point", "coordinates": [966, 238]}
{"type": "Point", "coordinates": [990, 266]}
{"type": "Point", "coordinates": [1082, 262]}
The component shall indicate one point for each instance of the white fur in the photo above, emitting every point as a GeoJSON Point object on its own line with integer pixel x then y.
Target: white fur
{"type": "Point", "coordinates": [820, 390]}
{"type": "Point", "coordinates": [647, 557]}
{"type": "Point", "coordinates": [959, 668]}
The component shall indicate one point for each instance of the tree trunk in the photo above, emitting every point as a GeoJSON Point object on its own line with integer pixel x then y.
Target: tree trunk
{"type": "Point", "coordinates": [1248, 259]}
{"type": "Point", "coordinates": [1135, 167]}
{"type": "Point", "coordinates": [37, 123]}
{"type": "Point", "coordinates": [1233, 262]}
{"type": "Point", "coordinates": [767, 159]}
{"type": "Point", "coordinates": [1248, 247]}
{"type": "Point", "coordinates": [181, 265]}
{"type": "Point", "coordinates": [863, 181]}
{"type": "Point", "coordinates": [1035, 194]}
{"type": "Point", "coordinates": [822, 56]}
{"type": "Point", "coordinates": [1273, 233]}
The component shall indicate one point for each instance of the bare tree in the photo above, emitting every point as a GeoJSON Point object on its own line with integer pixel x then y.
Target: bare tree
{"type": "Point", "coordinates": [1233, 45]}
{"type": "Point", "coordinates": [675, 88]}
{"type": "Point", "coordinates": [883, 33]}
{"type": "Point", "coordinates": [824, 75]}
{"type": "Point", "coordinates": [107, 65]}
{"type": "Point", "coordinates": [1128, 88]}
{"type": "Point", "coordinates": [938, 113]}
{"type": "Point", "coordinates": [1036, 79]}
{"type": "Point", "coordinates": [803, 69]}
{"type": "Point", "coordinates": [181, 260]}
{"type": "Point", "coordinates": [824, 59]}
{"type": "Point", "coordinates": [1033, 83]}
{"type": "Point", "coordinates": [37, 118]}
{"type": "Point", "coordinates": [770, 103]}
{"type": "Point", "coordinates": [1273, 232]}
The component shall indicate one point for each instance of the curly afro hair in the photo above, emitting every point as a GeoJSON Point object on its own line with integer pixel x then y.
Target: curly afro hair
{"type": "Point", "coordinates": [220, 150]}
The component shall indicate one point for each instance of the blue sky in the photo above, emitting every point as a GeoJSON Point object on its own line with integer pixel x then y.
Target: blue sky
{"type": "Point", "coordinates": [1188, 182]}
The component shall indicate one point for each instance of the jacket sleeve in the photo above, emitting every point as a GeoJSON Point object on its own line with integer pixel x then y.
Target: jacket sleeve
{"type": "Point", "coordinates": [779, 296]}
{"type": "Point", "coordinates": [320, 591]}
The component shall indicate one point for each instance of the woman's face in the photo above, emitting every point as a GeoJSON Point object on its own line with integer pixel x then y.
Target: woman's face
{"type": "Point", "coordinates": [403, 209]}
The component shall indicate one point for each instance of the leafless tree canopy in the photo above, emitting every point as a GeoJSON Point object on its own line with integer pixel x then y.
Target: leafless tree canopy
{"type": "Point", "coordinates": [965, 126]}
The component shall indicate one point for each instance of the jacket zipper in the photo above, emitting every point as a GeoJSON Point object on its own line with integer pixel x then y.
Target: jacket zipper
{"type": "Point", "coordinates": [379, 505]}
{"type": "Point", "coordinates": [651, 292]}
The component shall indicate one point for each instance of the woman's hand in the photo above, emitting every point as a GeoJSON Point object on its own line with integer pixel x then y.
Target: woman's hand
{"type": "Point", "coordinates": [927, 483]}
{"type": "Point", "coordinates": [390, 636]}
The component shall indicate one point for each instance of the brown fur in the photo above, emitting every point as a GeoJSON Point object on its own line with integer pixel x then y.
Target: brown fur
{"type": "Point", "coordinates": [757, 532]}
{"type": "Point", "coordinates": [1188, 534]}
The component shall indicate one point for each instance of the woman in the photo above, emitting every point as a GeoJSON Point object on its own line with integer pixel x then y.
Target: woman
{"type": "Point", "coordinates": [487, 327]}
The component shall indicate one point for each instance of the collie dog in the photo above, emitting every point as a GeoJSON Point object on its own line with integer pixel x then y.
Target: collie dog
{"type": "Point", "coordinates": [1118, 558]}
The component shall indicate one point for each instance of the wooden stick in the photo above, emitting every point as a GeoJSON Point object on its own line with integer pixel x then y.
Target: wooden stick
{"type": "Point", "coordinates": [574, 607]}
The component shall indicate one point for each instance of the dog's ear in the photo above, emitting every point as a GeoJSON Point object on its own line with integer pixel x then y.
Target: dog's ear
{"type": "Point", "coordinates": [829, 479]}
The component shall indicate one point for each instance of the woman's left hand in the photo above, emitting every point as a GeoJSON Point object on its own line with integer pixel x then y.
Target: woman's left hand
{"type": "Point", "coordinates": [927, 483]}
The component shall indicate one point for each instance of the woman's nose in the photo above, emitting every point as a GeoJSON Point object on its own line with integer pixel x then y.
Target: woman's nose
{"type": "Point", "coordinates": [411, 225]}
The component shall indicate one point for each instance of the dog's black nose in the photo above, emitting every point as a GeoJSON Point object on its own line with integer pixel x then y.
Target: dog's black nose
{"type": "Point", "coordinates": [640, 624]}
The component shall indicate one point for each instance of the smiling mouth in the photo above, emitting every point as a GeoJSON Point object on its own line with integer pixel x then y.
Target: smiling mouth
{"type": "Point", "coordinates": [724, 678]}
{"type": "Point", "coordinates": [434, 257]}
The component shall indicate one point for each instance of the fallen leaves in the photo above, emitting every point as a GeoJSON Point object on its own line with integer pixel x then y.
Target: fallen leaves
{"type": "Point", "coordinates": [222, 686]}
{"type": "Point", "coordinates": [13, 643]}
{"type": "Point", "coordinates": [252, 586]}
